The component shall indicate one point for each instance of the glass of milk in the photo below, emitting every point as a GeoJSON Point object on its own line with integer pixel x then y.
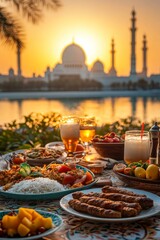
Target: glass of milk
{"type": "Point", "coordinates": [136, 146]}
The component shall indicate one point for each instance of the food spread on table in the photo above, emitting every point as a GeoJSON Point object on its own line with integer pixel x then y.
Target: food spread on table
{"type": "Point", "coordinates": [53, 177]}
{"type": "Point", "coordinates": [139, 170]}
{"type": "Point", "coordinates": [110, 137]}
{"type": "Point", "coordinates": [24, 223]}
{"type": "Point", "coordinates": [112, 202]}
{"type": "Point", "coordinates": [40, 153]}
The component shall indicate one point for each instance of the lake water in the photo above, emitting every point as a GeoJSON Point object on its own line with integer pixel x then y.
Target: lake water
{"type": "Point", "coordinates": [106, 110]}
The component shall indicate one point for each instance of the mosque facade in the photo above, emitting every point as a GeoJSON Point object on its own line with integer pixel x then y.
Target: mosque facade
{"type": "Point", "coordinates": [73, 63]}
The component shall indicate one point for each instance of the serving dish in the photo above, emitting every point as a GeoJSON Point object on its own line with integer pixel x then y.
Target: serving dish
{"type": "Point", "coordinates": [144, 214]}
{"type": "Point", "coordinates": [80, 150]}
{"type": "Point", "coordinates": [48, 195]}
{"type": "Point", "coordinates": [40, 160]}
{"type": "Point", "coordinates": [110, 150]}
{"type": "Point", "coordinates": [56, 219]}
{"type": "Point", "coordinates": [140, 183]}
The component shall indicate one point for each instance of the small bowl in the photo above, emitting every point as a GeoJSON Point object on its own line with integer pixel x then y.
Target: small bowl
{"type": "Point", "coordinates": [110, 150]}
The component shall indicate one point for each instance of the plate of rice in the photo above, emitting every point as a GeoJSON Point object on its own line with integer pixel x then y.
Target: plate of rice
{"type": "Point", "coordinates": [42, 188]}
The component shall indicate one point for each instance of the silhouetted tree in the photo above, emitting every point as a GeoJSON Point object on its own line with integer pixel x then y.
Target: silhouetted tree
{"type": "Point", "coordinates": [11, 31]}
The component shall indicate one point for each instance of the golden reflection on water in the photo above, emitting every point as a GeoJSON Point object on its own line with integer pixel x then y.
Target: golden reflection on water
{"type": "Point", "coordinates": [105, 110]}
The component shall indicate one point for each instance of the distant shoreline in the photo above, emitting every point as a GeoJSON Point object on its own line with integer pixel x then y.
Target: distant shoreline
{"type": "Point", "coordinates": [77, 94]}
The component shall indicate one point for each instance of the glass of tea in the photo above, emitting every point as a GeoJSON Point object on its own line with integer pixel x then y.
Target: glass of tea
{"type": "Point", "coordinates": [136, 146]}
{"type": "Point", "coordinates": [70, 133]}
{"type": "Point", "coordinates": [87, 130]}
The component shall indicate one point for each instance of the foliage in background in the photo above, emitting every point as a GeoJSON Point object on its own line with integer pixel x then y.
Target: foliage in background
{"type": "Point", "coordinates": [39, 129]}
{"type": "Point", "coordinates": [36, 129]}
{"type": "Point", "coordinates": [11, 29]}
{"type": "Point", "coordinates": [123, 125]}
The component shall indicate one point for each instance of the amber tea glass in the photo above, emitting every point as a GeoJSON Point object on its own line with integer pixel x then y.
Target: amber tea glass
{"type": "Point", "coordinates": [69, 131]}
{"type": "Point", "coordinates": [87, 130]}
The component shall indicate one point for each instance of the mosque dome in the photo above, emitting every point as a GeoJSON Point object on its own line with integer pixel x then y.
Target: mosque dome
{"type": "Point", "coordinates": [98, 67]}
{"type": "Point", "coordinates": [11, 72]}
{"type": "Point", "coordinates": [73, 56]}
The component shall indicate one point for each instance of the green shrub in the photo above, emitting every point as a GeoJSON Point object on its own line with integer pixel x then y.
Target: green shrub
{"type": "Point", "coordinates": [39, 129]}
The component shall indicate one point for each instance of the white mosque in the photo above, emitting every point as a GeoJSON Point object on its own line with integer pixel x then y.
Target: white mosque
{"type": "Point", "coordinates": [73, 63]}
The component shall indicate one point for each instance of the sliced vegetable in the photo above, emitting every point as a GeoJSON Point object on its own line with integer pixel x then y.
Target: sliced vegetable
{"type": "Point", "coordinates": [137, 164]}
{"type": "Point", "coordinates": [119, 167]}
{"type": "Point", "coordinates": [68, 179]}
{"type": "Point", "coordinates": [89, 178]}
{"type": "Point", "coordinates": [64, 168]}
{"type": "Point", "coordinates": [18, 158]}
{"type": "Point", "coordinates": [36, 174]}
{"type": "Point", "coordinates": [25, 169]}
{"type": "Point", "coordinates": [128, 171]}
{"type": "Point", "coordinates": [22, 172]}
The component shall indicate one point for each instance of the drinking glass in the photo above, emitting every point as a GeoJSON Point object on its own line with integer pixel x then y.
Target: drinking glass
{"type": "Point", "coordinates": [136, 146]}
{"type": "Point", "coordinates": [87, 130]}
{"type": "Point", "coordinates": [69, 131]}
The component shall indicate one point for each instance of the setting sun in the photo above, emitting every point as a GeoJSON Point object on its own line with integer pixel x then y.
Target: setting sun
{"type": "Point", "coordinates": [92, 26]}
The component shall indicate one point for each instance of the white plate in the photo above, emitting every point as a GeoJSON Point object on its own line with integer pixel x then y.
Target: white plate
{"type": "Point", "coordinates": [56, 219]}
{"type": "Point", "coordinates": [144, 214]}
{"type": "Point", "coordinates": [55, 145]}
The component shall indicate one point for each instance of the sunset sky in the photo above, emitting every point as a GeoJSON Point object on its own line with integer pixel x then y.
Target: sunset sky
{"type": "Point", "coordinates": [92, 24]}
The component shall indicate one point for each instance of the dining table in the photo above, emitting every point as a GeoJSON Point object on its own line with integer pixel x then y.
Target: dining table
{"type": "Point", "coordinates": [77, 228]}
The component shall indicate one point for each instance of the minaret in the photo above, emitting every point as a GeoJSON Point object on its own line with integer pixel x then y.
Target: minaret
{"type": "Point", "coordinates": [133, 44]}
{"type": "Point", "coordinates": [19, 59]}
{"type": "Point", "coordinates": [112, 71]}
{"type": "Point", "coordinates": [144, 51]}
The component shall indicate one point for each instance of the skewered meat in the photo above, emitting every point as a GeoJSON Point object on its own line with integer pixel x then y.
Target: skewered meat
{"type": "Point", "coordinates": [129, 212]}
{"type": "Point", "coordinates": [144, 202]}
{"type": "Point", "coordinates": [102, 202]}
{"type": "Point", "coordinates": [136, 206]}
{"type": "Point", "coordinates": [110, 189]}
{"type": "Point", "coordinates": [126, 211]}
{"type": "Point", "coordinates": [77, 195]}
{"type": "Point", "coordinates": [93, 210]}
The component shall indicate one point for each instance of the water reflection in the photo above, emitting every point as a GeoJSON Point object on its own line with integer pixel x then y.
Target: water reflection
{"type": "Point", "coordinates": [105, 109]}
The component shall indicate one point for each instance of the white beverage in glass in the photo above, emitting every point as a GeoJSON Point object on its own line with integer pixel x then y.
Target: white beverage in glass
{"type": "Point", "coordinates": [69, 130]}
{"type": "Point", "coordinates": [136, 147]}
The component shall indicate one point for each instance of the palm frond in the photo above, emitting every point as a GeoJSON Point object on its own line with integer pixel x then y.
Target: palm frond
{"type": "Point", "coordinates": [11, 32]}
{"type": "Point", "coordinates": [33, 9]}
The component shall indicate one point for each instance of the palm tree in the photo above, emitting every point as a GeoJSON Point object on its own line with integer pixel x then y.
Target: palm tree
{"type": "Point", "coordinates": [11, 31]}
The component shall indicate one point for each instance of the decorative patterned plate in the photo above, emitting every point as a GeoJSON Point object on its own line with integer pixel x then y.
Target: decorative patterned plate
{"type": "Point", "coordinates": [56, 219]}
{"type": "Point", "coordinates": [144, 214]}
{"type": "Point", "coordinates": [48, 195]}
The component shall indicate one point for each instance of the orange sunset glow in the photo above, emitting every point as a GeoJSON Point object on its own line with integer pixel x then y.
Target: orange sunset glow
{"type": "Point", "coordinates": [92, 24]}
